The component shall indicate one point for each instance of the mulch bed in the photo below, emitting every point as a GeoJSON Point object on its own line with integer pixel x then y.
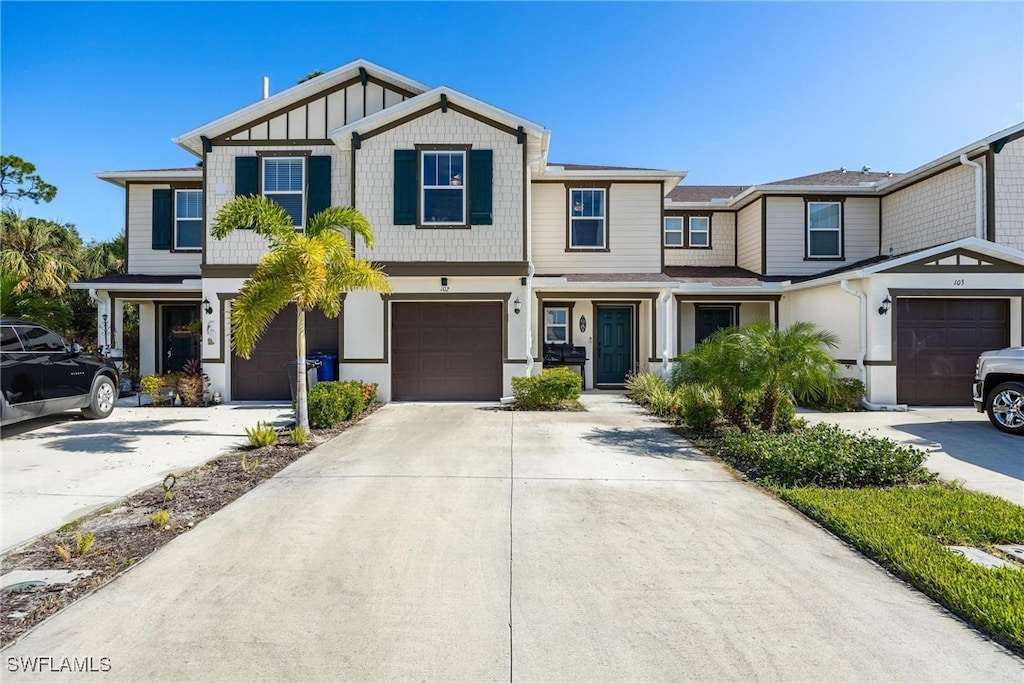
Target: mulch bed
{"type": "Point", "coordinates": [125, 534]}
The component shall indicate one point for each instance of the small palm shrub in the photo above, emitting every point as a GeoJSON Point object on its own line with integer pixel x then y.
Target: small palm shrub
{"type": "Point", "coordinates": [263, 434]}
{"type": "Point", "coordinates": [700, 407]}
{"type": "Point", "coordinates": [845, 396]}
{"type": "Point", "coordinates": [298, 436]}
{"type": "Point", "coordinates": [825, 455]}
{"type": "Point", "coordinates": [553, 388]}
{"type": "Point", "coordinates": [641, 386]}
{"type": "Point", "coordinates": [190, 388]}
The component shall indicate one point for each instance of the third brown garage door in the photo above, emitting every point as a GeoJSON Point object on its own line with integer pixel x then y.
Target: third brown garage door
{"type": "Point", "coordinates": [938, 342]}
{"type": "Point", "coordinates": [446, 351]}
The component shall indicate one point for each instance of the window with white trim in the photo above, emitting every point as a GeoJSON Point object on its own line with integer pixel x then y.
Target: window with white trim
{"type": "Point", "coordinates": [556, 325]}
{"type": "Point", "coordinates": [443, 188]}
{"type": "Point", "coordinates": [587, 213]}
{"type": "Point", "coordinates": [824, 221]}
{"type": "Point", "coordinates": [673, 231]}
{"type": "Point", "coordinates": [284, 182]}
{"type": "Point", "coordinates": [188, 219]}
{"type": "Point", "coordinates": [700, 231]}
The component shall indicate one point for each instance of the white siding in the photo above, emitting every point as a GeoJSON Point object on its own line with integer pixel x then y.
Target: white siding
{"type": "Point", "coordinates": [501, 241]}
{"type": "Point", "coordinates": [1009, 198]}
{"type": "Point", "coordinates": [142, 258]}
{"type": "Point", "coordinates": [634, 231]}
{"type": "Point", "coordinates": [748, 235]}
{"type": "Point", "coordinates": [787, 225]}
{"type": "Point", "coordinates": [932, 212]}
{"type": "Point", "coordinates": [723, 244]}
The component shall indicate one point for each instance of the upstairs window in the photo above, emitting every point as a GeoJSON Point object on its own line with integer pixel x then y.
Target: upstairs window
{"type": "Point", "coordinates": [556, 325]}
{"type": "Point", "coordinates": [284, 182]}
{"type": "Point", "coordinates": [587, 219]}
{"type": "Point", "coordinates": [443, 188]}
{"type": "Point", "coordinates": [673, 231]}
{"type": "Point", "coordinates": [692, 232]}
{"type": "Point", "coordinates": [824, 225]}
{"type": "Point", "coordinates": [700, 231]}
{"type": "Point", "coordinates": [188, 219]}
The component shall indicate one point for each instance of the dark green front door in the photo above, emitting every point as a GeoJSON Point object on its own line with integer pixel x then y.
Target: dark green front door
{"type": "Point", "coordinates": [180, 345]}
{"type": "Point", "coordinates": [710, 319]}
{"type": "Point", "coordinates": [614, 344]}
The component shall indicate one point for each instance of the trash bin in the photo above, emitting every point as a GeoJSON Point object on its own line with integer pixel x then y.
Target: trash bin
{"type": "Point", "coordinates": [311, 367]}
{"type": "Point", "coordinates": [327, 372]}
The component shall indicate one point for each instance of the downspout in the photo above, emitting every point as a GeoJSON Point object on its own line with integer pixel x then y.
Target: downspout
{"type": "Point", "coordinates": [664, 299]}
{"type": "Point", "coordinates": [862, 354]}
{"type": "Point", "coordinates": [979, 213]}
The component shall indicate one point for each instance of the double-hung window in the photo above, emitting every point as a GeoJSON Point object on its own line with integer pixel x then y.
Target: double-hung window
{"type": "Point", "coordinates": [444, 188]}
{"type": "Point", "coordinates": [188, 219]}
{"type": "Point", "coordinates": [556, 325]}
{"type": "Point", "coordinates": [284, 182]}
{"type": "Point", "coordinates": [824, 227]}
{"type": "Point", "coordinates": [699, 231]}
{"type": "Point", "coordinates": [587, 218]}
{"type": "Point", "coordinates": [688, 231]}
{"type": "Point", "coordinates": [673, 231]}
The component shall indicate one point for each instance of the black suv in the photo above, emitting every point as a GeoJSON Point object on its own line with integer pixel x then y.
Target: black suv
{"type": "Point", "coordinates": [41, 374]}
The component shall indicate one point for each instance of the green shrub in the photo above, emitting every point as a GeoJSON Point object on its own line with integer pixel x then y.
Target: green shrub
{"type": "Point", "coordinates": [827, 456]}
{"type": "Point", "coordinates": [326, 407]}
{"type": "Point", "coordinates": [298, 436]}
{"type": "Point", "coordinates": [785, 417]}
{"type": "Point", "coordinates": [154, 384]}
{"type": "Point", "coordinates": [700, 408]}
{"type": "Point", "coordinates": [552, 388]}
{"type": "Point", "coordinates": [263, 434]}
{"type": "Point", "coordinates": [353, 398]}
{"type": "Point", "coordinates": [641, 386]}
{"type": "Point", "coordinates": [844, 396]}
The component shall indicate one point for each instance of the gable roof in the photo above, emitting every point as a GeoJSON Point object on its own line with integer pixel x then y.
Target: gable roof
{"type": "Point", "coordinates": [192, 140]}
{"type": "Point", "coordinates": [152, 175]}
{"type": "Point", "coordinates": [704, 193]}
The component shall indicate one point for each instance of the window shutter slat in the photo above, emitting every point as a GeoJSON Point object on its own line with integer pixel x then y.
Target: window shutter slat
{"type": "Point", "coordinates": [247, 180]}
{"type": "Point", "coordinates": [405, 187]}
{"type": "Point", "coordinates": [162, 220]}
{"type": "Point", "coordinates": [481, 164]}
{"type": "Point", "coordinates": [319, 196]}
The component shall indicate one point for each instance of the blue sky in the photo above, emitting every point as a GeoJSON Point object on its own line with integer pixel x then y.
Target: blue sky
{"type": "Point", "coordinates": [734, 93]}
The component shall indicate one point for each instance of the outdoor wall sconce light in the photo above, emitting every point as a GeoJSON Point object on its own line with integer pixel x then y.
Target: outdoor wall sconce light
{"type": "Point", "coordinates": [208, 307]}
{"type": "Point", "coordinates": [444, 282]}
{"type": "Point", "coordinates": [886, 304]}
{"type": "Point", "coordinates": [583, 323]}
{"type": "Point", "coordinates": [522, 281]}
{"type": "Point", "coordinates": [517, 306]}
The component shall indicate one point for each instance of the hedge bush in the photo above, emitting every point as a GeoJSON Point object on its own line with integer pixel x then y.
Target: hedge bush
{"type": "Point", "coordinates": [331, 403]}
{"type": "Point", "coordinates": [824, 455]}
{"type": "Point", "coordinates": [553, 388]}
{"type": "Point", "coordinates": [700, 407]}
{"type": "Point", "coordinates": [844, 397]}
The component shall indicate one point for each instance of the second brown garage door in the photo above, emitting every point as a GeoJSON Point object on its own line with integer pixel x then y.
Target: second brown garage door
{"type": "Point", "coordinates": [446, 351]}
{"type": "Point", "coordinates": [938, 342]}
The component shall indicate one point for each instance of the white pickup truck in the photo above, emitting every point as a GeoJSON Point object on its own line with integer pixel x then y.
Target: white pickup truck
{"type": "Point", "coordinates": [999, 388]}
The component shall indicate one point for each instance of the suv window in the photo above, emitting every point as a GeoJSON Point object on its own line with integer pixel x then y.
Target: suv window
{"type": "Point", "coordinates": [40, 340]}
{"type": "Point", "coordinates": [9, 339]}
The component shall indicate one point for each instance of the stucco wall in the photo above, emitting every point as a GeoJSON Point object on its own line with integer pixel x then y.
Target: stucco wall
{"type": "Point", "coordinates": [787, 227]}
{"type": "Point", "coordinates": [1009, 195]}
{"type": "Point", "coordinates": [142, 258]}
{"type": "Point", "coordinates": [748, 235]}
{"type": "Point", "coordinates": [634, 231]}
{"type": "Point", "coordinates": [723, 244]}
{"type": "Point", "coordinates": [375, 173]}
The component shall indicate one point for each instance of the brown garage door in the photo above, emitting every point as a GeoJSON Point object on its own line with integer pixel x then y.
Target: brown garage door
{"type": "Point", "coordinates": [938, 342]}
{"type": "Point", "coordinates": [446, 351]}
{"type": "Point", "coordinates": [264, 376]}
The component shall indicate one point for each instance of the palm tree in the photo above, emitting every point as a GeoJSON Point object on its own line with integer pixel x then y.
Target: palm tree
{"type": "Point", "coordinates": [717, 363]}
{"type": "Point", "coordinates": [103, 258]}
{"type": "Point", "coordinates": [41, 253]}
{"type": "Point", "coordinates": [29, 305]}
{"type": "Point", "coordinates": [308, 268]}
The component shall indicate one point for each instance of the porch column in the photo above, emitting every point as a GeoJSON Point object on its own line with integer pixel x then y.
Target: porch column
{"type": "Point", "coordinates": [148, 347]}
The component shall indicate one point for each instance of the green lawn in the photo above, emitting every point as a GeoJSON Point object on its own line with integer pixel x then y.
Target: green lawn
{"type": "Point", "coordinates": [906, 528]}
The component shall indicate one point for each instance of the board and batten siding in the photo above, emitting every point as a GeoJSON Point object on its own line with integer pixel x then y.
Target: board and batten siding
{"type": "Point", "coordinates": [142, 258]}
{"type": "Point", "coordinates": [748, 237]}
{"type": "Point", "coordinates": [1009, 195]}
{"type": "Point", "coordinates": [634, 231]}
{"type": "Point", "coordinates": [722, 251]}
{"type": "Point", "coordinates": [375, 180]}
{"type": "Point", "coordinates": [786, 235]}
{"type": "Point", "coordinates": [931, 212]}
{"type": "Point", "coordinates": [244, 246]}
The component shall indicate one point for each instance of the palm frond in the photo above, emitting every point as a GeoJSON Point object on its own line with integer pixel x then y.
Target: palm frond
{"type": "Point", "coordinates": [341, 219]}
{"type": "Point", "coordinates": [259, 214]}
{"type": "Point", "coordinates": [256, 305]}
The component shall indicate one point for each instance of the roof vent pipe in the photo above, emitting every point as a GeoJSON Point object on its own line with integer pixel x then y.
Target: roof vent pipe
{"type": "Point", "coordinates": [979, 220]}
{"type": "Point", "coordinates": [865, 170]}
{"type": "Point", "coordinates": [266, 87]}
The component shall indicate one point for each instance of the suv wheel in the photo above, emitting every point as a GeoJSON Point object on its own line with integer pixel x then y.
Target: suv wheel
{"type": "Point", "coordinates": [101, 403]}
{"type": "Point", "coordinates": [1006, 407]}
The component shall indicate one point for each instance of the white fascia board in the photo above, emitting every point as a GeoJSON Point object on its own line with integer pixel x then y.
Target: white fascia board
{"type": "Point", "coordinates": [560, 284]}
{"type": "Point", "coordinates": [342, 136]}
{"type": "Point", "coordinates": [718, 290]}
{"type": "Point", "coordinates": [188, 285]}
{"type": "Point", "coordinates": [191, 142]}
{"type": "Point", "coordinates": [119, 178]}
{"type": "Point", "coordinates": [668, 179]}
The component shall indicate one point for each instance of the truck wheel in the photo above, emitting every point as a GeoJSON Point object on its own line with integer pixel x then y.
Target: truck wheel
{"type": "Point", "coordinates": [1006, 407]}
{"type": "Point", "coordinates": [101, 403]}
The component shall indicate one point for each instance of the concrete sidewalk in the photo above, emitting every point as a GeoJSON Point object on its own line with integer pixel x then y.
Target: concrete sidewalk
{"type": "Point", "coordinates": [460, 542]}
{"type": "Point", "coordinates": [58, 468]}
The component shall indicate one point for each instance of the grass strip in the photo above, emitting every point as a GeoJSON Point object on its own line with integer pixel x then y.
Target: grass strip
{"type": "Point", "coordinates": [906, 529]}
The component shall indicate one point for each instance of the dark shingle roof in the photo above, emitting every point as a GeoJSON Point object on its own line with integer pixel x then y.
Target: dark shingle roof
{"type": "Point", "coordinates": [724, 276]}
{"type": "Point", "coordinates": [704, 193]}
{"type": "Point", "coordinates": [121, 279]}
{"type": "Point", "coordinates": [614, 277]}
{"type": "Point", "coordinates": [840, 178]}
{"type": "Point", "coordinates": [592, 167]}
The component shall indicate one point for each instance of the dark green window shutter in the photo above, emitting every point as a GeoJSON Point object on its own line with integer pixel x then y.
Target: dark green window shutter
{"type": "Point", "coordinates": [247, 179]}
{"type": "Point", "coordinates": [318, 197]}
{"type": "Point", "coordinates": [162, 219]}
{"type": "Point", "coordinates": [481, 163]}
{"type": "Point", "coordinates": [405, 187]}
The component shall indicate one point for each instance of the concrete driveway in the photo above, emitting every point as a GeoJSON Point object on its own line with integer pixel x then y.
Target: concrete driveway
{"type": "Point", "coordinates": [962, 444]}
{"type": "Point", "coordinates": [56, 469]}
{"type": "Point", "coordinates": [460, 542]}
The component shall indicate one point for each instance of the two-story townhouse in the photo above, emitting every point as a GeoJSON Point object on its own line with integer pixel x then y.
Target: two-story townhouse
{"type": "Point", "coordinates": [496, 255]}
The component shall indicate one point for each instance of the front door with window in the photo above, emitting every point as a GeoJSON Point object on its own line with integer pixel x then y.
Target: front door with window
{"type": "Point", "coordinates": [710, 319]}
{"type": "Point", "coordinates": [614, 344]}
{"type": "Point", "coordinates": [180, 344]}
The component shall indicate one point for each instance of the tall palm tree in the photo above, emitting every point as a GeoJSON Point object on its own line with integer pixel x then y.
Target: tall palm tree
{"type": "Point", "coordinates": [103, 258]}
{"type": "Point", "coordinates": [41, 253]}
{"type": "Point", "coordinates": [308, 268]}
{"type": "Point", "coordinates": [29, 305]}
